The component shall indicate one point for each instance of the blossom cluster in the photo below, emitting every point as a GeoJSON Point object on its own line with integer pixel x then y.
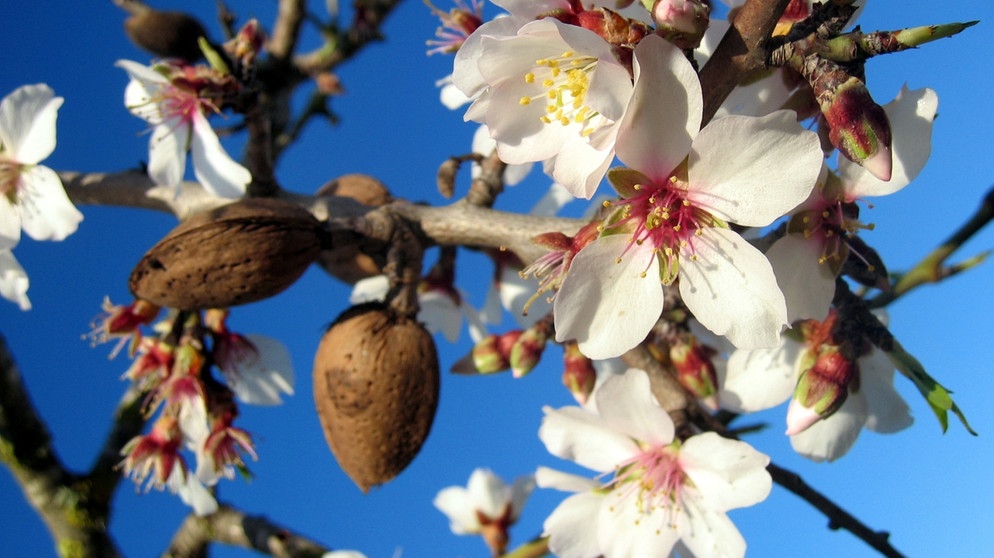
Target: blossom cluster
{"type": "Point", "coordinates": [576, 85]}
{"type": "Point", "coordinates": [196, 410]}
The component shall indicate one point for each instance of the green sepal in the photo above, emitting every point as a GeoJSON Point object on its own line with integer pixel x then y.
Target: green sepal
{"type": "Point", "coordinates": [215, 60]}
{"type": "Point", "coordinates": [938, 397]}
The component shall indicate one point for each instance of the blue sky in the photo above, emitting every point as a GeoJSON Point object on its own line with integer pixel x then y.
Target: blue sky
{"type": "Point", "coordinates": [931, 491]}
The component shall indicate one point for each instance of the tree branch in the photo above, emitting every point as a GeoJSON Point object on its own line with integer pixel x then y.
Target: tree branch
{"type": "Point", "coordinates": [76, 520]}
{"type": "Point", "coordinates": [741, 51]}
{"type": "Point", "coordinates": [234, 527]}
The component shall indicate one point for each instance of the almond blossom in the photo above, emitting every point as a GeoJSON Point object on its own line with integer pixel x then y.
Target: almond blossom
{"type": "Point", "coordinates": [672, 220]}
{"type": "Point", "coordinates": [653, 493]}
{"type": "Point", "coordinates": [764, 378]}
{"type": "Point", "coordinates": [547, 91]}
{"type": "Point", "coordinates": [808, 258]}
{"type": "Point", "coordinates": [31, 195]}
{"type": "Point", "coordinates": [486, 506]}
{"type": "Point", "coordinates": [175, 100]}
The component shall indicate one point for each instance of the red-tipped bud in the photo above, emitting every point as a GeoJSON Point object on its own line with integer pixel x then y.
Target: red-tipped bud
{"type": "Point", "coordinates": [527, 350]}
{"type": "Point", "coordinates": [493, 353]}
{"type": "Point", "coordinates": [579, 375]}
{"type": "Point", "coordinates": [859, 127]}
{"type": "Point", "coordinates": [246, 45]}
{"type": "Point", "coordinates": [681, 22]}
{"type": "Point", "coordinates": [695, 369]}
{"type": "Point", "coordinates": [821, 389]}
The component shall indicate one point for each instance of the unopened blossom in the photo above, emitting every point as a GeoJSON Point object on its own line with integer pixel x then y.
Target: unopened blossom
{"type": "Point", "coordinates": [13, 280]}
{"type": "Point", "coordinates": [683, 189]}
{"type": "Point", "coordinates": [549, 92]}
{"type": "Point", "coordinates": [810, 256]}
{"type": "Point", "coordinates": [31, 195]}
{"type": "Point", "coordinates": [175, 100]}
{"type": "Point", "coordinates": [486, 506]}
{"type": "Point", "coordinates": [763, 378]}
{"type": "Point", "coordinates": [653, 493]}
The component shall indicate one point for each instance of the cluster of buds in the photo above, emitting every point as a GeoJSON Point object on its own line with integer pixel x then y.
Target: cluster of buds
{"type": "Point", "coordinates": [196, 411]}
{"type": "Point", "coordinates": [691, 361]}
{"type": "Point", "coordinates": [517, 350]}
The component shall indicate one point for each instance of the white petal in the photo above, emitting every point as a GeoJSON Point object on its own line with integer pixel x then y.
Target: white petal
{"type": "Point", "coordinates": [140, 93]}
{"type": "Point", "coordinates": [167, 152]}
{"type": "Point", "coordinates": [192, 492]}
{"type": "Point", "coordinates": [574, 434]}
{"type": "Point", "coordinates": [46, 212]}
{"type": "Point", "coordinates": [488, 492]}
{"type": "Point", "coordinates": [580, 167]}
{"type": "Point", "coordinates": [731, 290]}
{"type": "Point", "coordinates": [451, 97]}
{"type": "Point", "coordinates": [887, 410]}
{"type": "Point", "coordinates": [705, 532]}
{"type": "Point", "coordinates": [466, 74]}
{"type": "Point", "coordinates": [831, 438]}
{"type": "Point", "coordinates": [752, 170]}
{"type": "Point", "coordinates": [262, 380]}
{"type": "Point", "coordinates": [911, 115]}
{"type": "Point", "coordinates": [27, 123]}
{"type": "Point", "coordinates": [665, 111]}
{"type": "Point", "coordinates": [625, 529]}
{"type": "Point", "coordinates": [571, 527]}
{"type": "Point", "coordinates": [215, 170]}
{"type": "Point", "coordinates": [343, 554]}
{"type": "Point", "coordinates": [440, 314]}
{"type": "Point", "coordinates": [370, 289]}
{"type": "Point", "coordinates": [627, 404]}
{"type": "Point", "coordinates": [13, 280]}
{"type": "Point", "coordinates": [609, 306]}
{"type": "Point", "coordinates": [456, 504]}
{"type": "Point", "coordinates": [554, 199]}
{"type": "Point", "coordinates": [566, 482]}
{"type": "Point", "coordinates": [808, 285]}
{"type": "Point", "coordinates": [760, 378]}
{"type": "Point", "coordinates": [758, 98]}
{"type": "Point", "coordinates": [10, 223]}
{"type": "Point", "coordinates": [515, 292]}
{"type": "Point", "coordinates": [728, 474]}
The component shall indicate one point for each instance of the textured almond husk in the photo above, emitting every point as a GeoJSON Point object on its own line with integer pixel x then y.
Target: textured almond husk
{"type": "Point", "coordinates": [238, 253]}
{"type": "Point", "coordinates": [347, 262]}
{"type": "Point", "coordinates": [376, 382]}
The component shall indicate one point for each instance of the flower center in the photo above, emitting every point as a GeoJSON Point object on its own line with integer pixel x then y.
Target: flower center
{"type": "Point", "coordinates": [10, 174]}
{"type": "Point", "coordinates": [564, 82]}
{"type": "Point", "coordinates": [653, 479]}
{"type": "Point", "coordinates": [831, 226]}
{"type": "Point", "coordinates": [661, 214]}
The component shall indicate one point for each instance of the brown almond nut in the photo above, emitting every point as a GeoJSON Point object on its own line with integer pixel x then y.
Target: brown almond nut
{"type": "Point", "coordinates": [347, 262]}
{"type": "Point", "coordinates": [376, 383]}
{"type": "Point", "coordinates": [242, 252]}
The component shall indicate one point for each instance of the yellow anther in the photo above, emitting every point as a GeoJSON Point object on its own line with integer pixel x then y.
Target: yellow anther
{"type": "Point", "coordinates": [568, 54]}
{"type": "Point", "coordinates": [530, 77]}
{"type": "Point", "coordinates": [525, 101]}
{"type": "Point", "coordinates": [548, 83]}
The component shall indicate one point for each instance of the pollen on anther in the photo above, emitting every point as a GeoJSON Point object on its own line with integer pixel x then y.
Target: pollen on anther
{"type": "Point", "coordinates": [529, 77]}
{"type": "Point", "coordinates": [525, 101]}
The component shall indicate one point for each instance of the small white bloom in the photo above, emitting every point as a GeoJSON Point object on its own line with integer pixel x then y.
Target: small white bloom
{"type": "Point", "coordinates": [13, 280]}
{"type": "Point", "coordinates": [485, 499]}
{"type": "Point", "coordinates": [661, 492]}
{"type": "Point", "coordinates": [179, 124]}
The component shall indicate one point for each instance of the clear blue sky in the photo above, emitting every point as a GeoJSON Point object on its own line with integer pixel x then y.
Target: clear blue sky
{"type": "Point", "coordinates": [933, 492]}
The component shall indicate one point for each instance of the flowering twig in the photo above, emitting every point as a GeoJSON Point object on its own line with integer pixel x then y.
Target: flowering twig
{"type": "Point", "coordinates": [740, 52]}
{"type": "Point", "coordinates": [234, 527]}
{"type": "Point", "coordinates": [931, 269]}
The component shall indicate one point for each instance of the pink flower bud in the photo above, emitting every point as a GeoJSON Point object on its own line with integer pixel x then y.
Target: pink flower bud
{"type": "Point", "coordinates": [859, 127]}
{"type": "Point", "coordinates": [821, 389]}
{"type": "Point", "coordinates": [695, 369]}
{"type": "Point", "coordinates": [492, 353]}
{"type": "Point", "coordinates": [682, 22]}
{"type": "Point", "coordinates": [579, 375]}
{"type": "Point", "coordinates": [527, 350]}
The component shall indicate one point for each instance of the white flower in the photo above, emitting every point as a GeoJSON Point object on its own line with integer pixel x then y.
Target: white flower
{"type": "Point", "coordinates": [443, 307]}
{"type": "Point", "coordinates": [486, 506]}
{"type": "Point", "coordinates": [177, 115]}
{"type": "Point", "coordinates": [548, 92]}
{"type": "Point", "coordinates": [13, 280]}
{"type": "Point", "coordinates": [662, 493]}
{"type": "Point", "coordinates": [763, 378]}
{"type": "Point", "coordinates": [258, 368]}
{"type": "Point", "coordinates": [31, 195]}
{"type": "Point", "coordinates": [683, 189]}
{"type": "Point", "coordinates": [807, 260]}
